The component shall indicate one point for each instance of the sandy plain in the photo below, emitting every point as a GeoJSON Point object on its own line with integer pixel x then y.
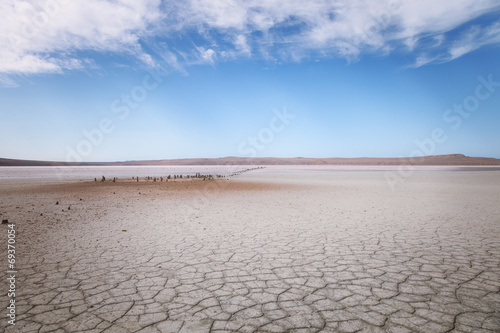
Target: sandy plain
{"type": "Point", "coordinates": [269, 250]}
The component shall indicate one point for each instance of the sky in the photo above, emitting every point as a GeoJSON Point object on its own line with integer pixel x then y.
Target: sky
{"type": "Point", "coordinates": [97, 80]}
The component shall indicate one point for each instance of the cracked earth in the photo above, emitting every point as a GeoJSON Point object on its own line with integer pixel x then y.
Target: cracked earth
{"type": "Point", "coordinates": [263, 252]}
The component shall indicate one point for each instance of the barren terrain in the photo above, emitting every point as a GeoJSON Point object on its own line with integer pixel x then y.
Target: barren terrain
{"type": "Point", "coordinates": [267, 251]}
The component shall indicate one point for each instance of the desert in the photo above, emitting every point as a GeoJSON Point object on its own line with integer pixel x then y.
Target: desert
{"type": "Point", "coordinates": [273, 249]}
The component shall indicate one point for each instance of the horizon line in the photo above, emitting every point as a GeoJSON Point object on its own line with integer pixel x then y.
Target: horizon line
{"type": "Point", "coordinates": [449, 158]}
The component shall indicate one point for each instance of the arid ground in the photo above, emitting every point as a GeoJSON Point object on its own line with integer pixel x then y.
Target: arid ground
{"type": "Point", "coordinates": [268, 250]}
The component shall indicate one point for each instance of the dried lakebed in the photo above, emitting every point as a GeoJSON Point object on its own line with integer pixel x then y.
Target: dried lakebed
{"type": "Point", "coordinates": [267, 251]}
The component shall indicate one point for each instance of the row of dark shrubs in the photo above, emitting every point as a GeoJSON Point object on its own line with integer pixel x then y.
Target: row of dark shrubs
{"type": "Point", "coordinates": [169, 177]}
{"type": "Point", "coordinates": [196, 176]}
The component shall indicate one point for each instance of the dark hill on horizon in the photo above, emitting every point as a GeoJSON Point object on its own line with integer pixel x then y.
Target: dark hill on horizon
{"type": "Point", "coordinates": [451, 159]}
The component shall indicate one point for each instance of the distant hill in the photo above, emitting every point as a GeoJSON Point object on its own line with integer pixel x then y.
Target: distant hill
{"type": "Point", "coordinates": [453, 159]}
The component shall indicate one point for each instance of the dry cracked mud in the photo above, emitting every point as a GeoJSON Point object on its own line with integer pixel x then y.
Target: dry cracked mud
{"type": "Point", "coordinates": [263, 252]}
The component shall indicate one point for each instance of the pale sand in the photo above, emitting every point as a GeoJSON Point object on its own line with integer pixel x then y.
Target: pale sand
{"type": "Point", "coordinates": [268, 250]}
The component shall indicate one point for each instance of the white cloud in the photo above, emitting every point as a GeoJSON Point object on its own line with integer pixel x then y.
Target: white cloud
{"type": "Point", "coordinates": [422, 60]}
{"type": "Point", "coordinates": [207, 55]}
{"type": "Point", "coordinates": [148, 60]}
{"type": "Point", "coordinates": [460, 50]}
{"type": "Point", "coordinates": [51, 36]}
{"type": "Point", "coordinates": [475, 38]}
{"type": "Point", "coordinates": [294, 29]}
{"type": "Point", "coordinates": [465, 42]}
{"type": "Point", "coordinates": [41, 37]}
{"type": "Point", "coordinates": [242, 45]}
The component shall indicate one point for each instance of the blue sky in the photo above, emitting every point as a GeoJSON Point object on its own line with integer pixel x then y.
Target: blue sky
{"type": "Point", "coordinates": [126, 80]}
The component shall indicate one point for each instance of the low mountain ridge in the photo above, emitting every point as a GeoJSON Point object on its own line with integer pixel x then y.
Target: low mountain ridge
{"type": "Point", "coordinates": [450, 159]}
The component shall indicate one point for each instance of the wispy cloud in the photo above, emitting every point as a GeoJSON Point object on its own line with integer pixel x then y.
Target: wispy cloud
{"type": "Point", "coordinates": [206, 55]}
{"type": "Point", "coordinates": [422, 60]}
{"type": "Point", "coordinates": [474, 38]}
{"type": "Point", "coordinates": [294, 29]}
{"type": "Point", "coordinates": [464, 42]}
{"type": "Point", "coordinates": [48, 38]}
